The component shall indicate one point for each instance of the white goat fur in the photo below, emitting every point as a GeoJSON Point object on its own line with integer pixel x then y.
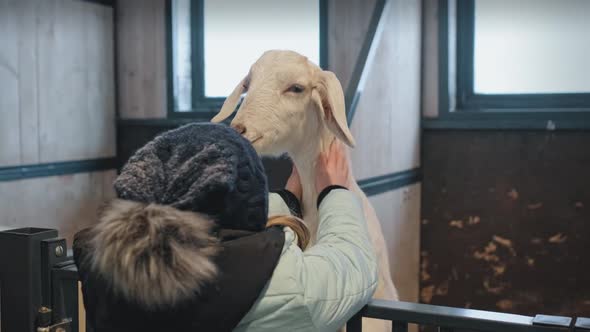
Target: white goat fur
{"type": "Point", "coordinates": [303, 124]}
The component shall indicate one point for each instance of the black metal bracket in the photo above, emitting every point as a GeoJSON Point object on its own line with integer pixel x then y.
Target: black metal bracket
{"type": "Point", "coordinates": [38, 282]}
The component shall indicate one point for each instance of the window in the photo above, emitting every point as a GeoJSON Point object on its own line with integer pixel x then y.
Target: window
{"type": "Point", "coordinates": [531, 47]}
{"type": "Point", "coordinates": [511, 56]}
{"type": "Point", "coordinates": [214, 42]}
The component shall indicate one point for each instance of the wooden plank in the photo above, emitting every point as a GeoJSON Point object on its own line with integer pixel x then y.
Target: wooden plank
{"type": "Point", "coordinates": [387, 124]}
{"type": "Point", "coordinates": [110, 81]}
{"type": "Point", "coordinates": [159, 108]}
{"type": "Point", "coordinates": [29, 113]}
{"type": "Point", "coordinates": [141, 58]}
{"type": "Point", "coordinates": [82, 211]}
{"type": "Point", "coordinates": [430, 59]}
{"type": "Point", "coordinates": [9, 84]}
{"type": "Point", "coordinates": [348, 21]}
{"type": "Point", "coordinates": [100, 101]}
{"type": "Point", "coordinates": [76, 97]}
{"type": "Point", "coordinates": [399, 214]}
{"type": "Point", "coordinates": [153, 58]}
{"type": "Point", "coordinates": [125, 50]}
{"type": "Point", "coordinates": [63, 81]}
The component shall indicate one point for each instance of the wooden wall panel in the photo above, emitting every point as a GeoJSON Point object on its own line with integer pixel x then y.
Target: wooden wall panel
{"type": "Point", "coordinates": [80, 105]}
{"type": "Point", "coordinates": [28, 82]}
{"type": "Point", "coordinates": [386, 125]}
{"type": "Point", "coordinates": [430, 59]}
{"type": "Point", "coordinates": [62, 74]}
{"type": "Point", "coordinates": [9, 84]}
{"type": "Point", "coordinates": [19, 142]}
{"type": "Point", "coordinates": [67, 203]}
{"type": "Point", "coordinates": [141, 55]}
{"type": "Point", "coordinates": [100, 100]}
{"type": "Point", "coordinates": [348, 22]}
{"type": "Point", "coordinates": [56, 81]}
{"type": "Point", "coordinates": [399, 214]}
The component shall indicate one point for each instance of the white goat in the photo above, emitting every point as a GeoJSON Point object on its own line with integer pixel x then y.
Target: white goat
{"type": "Point", "coordinates": [294, 106]}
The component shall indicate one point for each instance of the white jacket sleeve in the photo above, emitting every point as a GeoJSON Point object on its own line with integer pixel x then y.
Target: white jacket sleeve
{"type": "Point", "coordinates": [339, 273]}
{"type": "Point", "coordinates": [321, 288]}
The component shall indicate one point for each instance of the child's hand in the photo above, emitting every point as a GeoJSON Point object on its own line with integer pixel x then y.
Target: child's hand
{"type": "Point", "coordinates": [332, 167]}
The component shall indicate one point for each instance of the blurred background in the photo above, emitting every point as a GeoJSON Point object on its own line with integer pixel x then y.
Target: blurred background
{"type": "Point", "coordinates": [471, 117]}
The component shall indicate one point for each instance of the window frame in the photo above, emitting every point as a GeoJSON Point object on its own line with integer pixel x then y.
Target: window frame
{"type": "Point", "coordinates": [206, 107]}
{"type": "Point", "coordinates": [460, 108]}
{"type": "Point", "coordinates": [468, 100]}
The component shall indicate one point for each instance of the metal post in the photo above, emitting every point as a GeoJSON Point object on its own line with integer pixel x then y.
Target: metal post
{"type": "Point", "coordinates": [398, 326]}
{"type": "Point", "coordinates": [445, 329]}
{"type": "Point", "coordinates": [355, 324]}
{"type": "Point", "coordinates": [20, 271]}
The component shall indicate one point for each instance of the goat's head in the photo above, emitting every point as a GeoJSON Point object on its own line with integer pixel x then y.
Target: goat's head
{"type": "Point", "coordinates": [288, 98]}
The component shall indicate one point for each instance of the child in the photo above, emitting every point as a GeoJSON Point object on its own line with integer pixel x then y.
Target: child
{"type": "Point", "coordinates": [188, 244]}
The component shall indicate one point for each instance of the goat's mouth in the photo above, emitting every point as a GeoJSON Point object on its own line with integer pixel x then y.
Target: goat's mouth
{"type": "Point", "coordinates": [256, 139]}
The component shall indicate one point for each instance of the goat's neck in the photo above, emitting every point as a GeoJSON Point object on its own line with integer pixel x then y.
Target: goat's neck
{"type": "Point", "coordinates": [305, 157]}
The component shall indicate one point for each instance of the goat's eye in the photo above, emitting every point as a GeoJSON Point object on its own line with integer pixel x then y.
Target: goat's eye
{"type": "Point", "coordinates": [245, 86]}
{"type": "Point", "coordinates": [296, 88]}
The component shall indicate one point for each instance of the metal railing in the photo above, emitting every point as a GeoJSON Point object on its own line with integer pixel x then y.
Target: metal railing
{"type": "Point", "coordinates": [448, 319]}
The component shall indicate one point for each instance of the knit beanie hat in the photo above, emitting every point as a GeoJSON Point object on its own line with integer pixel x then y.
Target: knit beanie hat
{"type": "Point", "coordinates": [202, 167]}
{"type": "Point", "coordinates": [155, 245]}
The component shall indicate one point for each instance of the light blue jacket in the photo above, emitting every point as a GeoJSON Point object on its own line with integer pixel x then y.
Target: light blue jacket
{"type": "Point", "coordinates": [323, 287]}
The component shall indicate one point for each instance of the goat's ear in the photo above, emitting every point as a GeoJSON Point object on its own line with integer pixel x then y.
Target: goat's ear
{"type": "Point", "coordinates": [329, 96]}
{"type": "Point", "coordinates": [231, 102]}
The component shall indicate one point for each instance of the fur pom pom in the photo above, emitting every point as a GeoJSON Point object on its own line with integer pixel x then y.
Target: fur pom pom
{"type": "Point", "coordinates": [152, 254]}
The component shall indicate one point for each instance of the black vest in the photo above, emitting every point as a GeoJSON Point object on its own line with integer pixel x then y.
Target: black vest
{"type": "Point", "coordinates": [245, 263]}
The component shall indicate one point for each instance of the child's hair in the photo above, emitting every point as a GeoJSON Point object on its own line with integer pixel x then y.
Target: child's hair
{"type": "Point", "coordinates": [296, 224]}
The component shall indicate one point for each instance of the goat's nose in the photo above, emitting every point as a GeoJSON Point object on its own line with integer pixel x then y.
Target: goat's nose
{"type": "Point", "coordinates": [240, 128]}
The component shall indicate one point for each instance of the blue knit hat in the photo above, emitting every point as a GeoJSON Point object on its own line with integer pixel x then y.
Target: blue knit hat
{"type": "Point", "coordinates": [202, 167]}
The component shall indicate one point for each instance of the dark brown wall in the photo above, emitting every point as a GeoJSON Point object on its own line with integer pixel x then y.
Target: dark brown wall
{"type": "Point", "coordinates": [506, 221]}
